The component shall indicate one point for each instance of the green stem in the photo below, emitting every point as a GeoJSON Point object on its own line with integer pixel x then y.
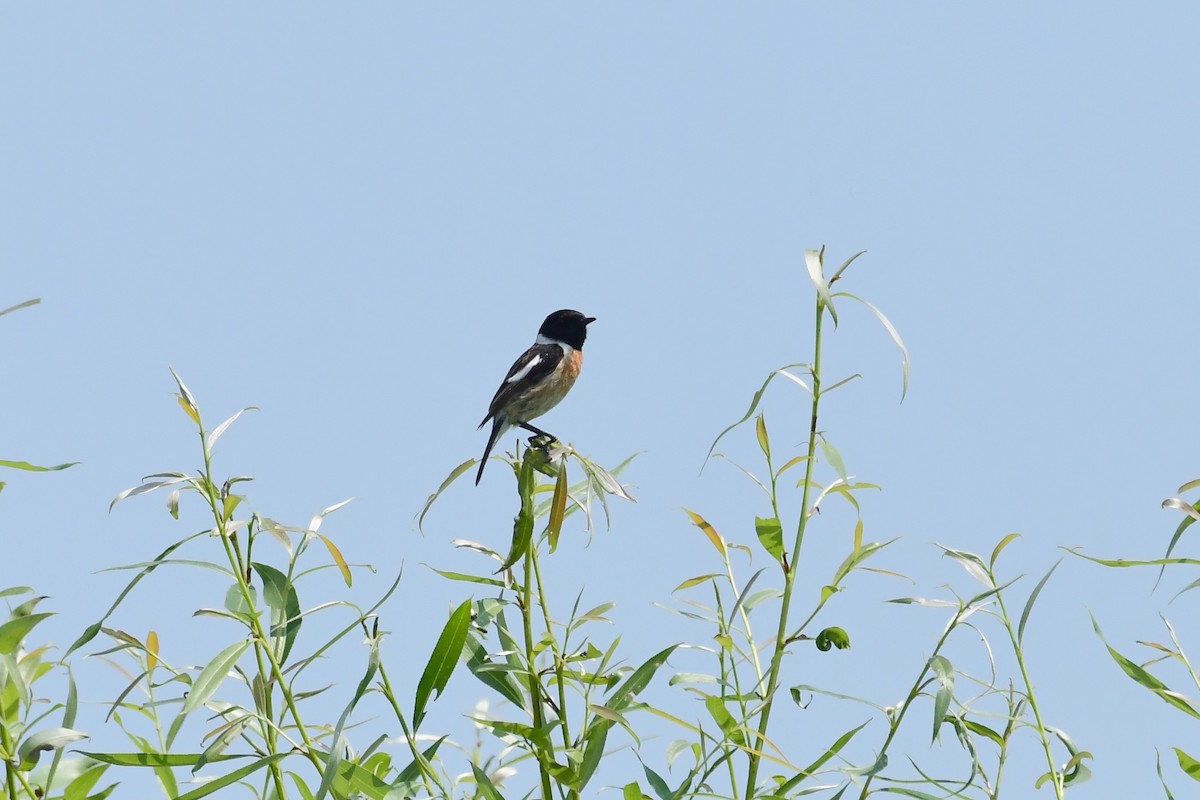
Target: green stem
{"type": "Point", "coordinates": [409, 739]}
{"type": "Point", "coordinates": [912, 695]}
{"type": "Point", "coordinates": [260, 637]}
{"type": "Point", "coordinates": [789, 578]}
{"type": "Point", "coordinates": [559, 662]}
{"type": "Point", "coordinates": [535, 684]}
{"type": "Point", "coordinates": [1055, 776]}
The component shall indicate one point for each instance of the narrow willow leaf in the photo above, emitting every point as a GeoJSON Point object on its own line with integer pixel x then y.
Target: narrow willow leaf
{"type": "Point", "coordinates": [845, 265]}
{"type": "Point", "coordinates": [1189, 765]}
{"type": "Point", "coordinates": [1003, 544]}
{"type": "Point", "coordinates": [558, 507]}
{"type": "Point", "coordinates": [829, 753]}
{"type": "Point", "coordinates": [205, 789]}
{"type": "Point", "coordinates": [462, 576]}
{"type": "Point", "coordinates": [791, 463]}
{"type": "Point", "coordinates": [750, 411]}
{"type": "Point", "coordinates": [19, 306]}
{"type": "Point", "coordinates": [441, 663]}
{"type": "Point", "coordinates": [709, 531]}
{"type": "Point", "coordinates": [622, 696]}
{"type": "Point", "coordinates": [814, 261]}
{"type": "Point", "coordinates": [50, 739]}
{"type": "Point", "coordinates": [726, 722]}
{"type": "Point", "coordinates": [1177, 503]}
{"type": "Point", "coordinates": [944, 672]}
{"type": "Point", "coordinates": [213, 675]}
{"type": "Point", "coordinates": [146, 487]}
{"type": "Point", "coordinates": [224, 426]}
{"type": "Point", "coordinates": [1145, 678]}
{"type": "Point", "coordinates": [338, 559]}
{"type": "Point", "coordinates": [186, 401]}
{"type": "Point", "coordinates": [451, 478]}
{"type": "Point", "coordinates": [696, 581]}
{"type": "Point", "coordinates": [760, 430]}
{"type": "Point", "coordinates": [484, 784]}
{"type": "Point", "coordinates": [25, 465]}
{"type": "Point", "coordinates": [152, 650]}
{"type": "Point", "coordinates": [1033, 596]}
{"type": "Point", "coordinates": [834, 458]}
{"type": "Point", "coordinates": [13, 632]}
{"type": "Point", "coordinates": [892, 332]}
{"type": "Point", "coordinates": [745, 593]}
{"type": "Point", "coordinates": [523, 524]}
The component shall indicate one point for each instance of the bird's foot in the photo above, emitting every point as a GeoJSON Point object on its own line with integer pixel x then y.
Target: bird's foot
{"type": "Point", "coordinates": [542, 441]}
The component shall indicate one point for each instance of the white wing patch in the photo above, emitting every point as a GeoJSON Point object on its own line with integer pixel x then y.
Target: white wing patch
{"type": "Point", "coordinates": [533, 362]}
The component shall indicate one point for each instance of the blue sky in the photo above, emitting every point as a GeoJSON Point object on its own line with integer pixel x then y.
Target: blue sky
{"type": "Point", "coordinates": [354, 219]}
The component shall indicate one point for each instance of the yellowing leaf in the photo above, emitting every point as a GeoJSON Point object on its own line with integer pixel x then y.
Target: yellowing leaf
{"type": "Point", "coordinates": [709, 531]}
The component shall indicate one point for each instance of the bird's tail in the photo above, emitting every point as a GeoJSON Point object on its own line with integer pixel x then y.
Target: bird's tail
{"type": "Point", "coordinates": [498, 427]}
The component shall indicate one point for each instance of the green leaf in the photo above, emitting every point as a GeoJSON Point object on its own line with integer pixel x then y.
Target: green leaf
{"type": "Point", "coordinates": [834, 458]}
{"type": "Point", "coordinates": [19, 306]}
{"type": "Point", "coordinates": [523, 524]}
{"type": "Point", "coordinates": [485, 785]}
{"type": "Point", "coordinates": [13, 632]}
{"type": "Point", "coordinates": [186, 401]}
{"type": "Point", "coordinates": [25, 465]}
{"type": "Point", "coordinates": [1033, 596]}
{"type": "Point", "coordinates": [224, 426]}
{"type": "Point", "coordinates": [280, 595]}
{"type": "Point", "coordinates": [770, 535]}
{"type": "Point", "coordinates": [483, 668]}
{"type": "Point", "coordinates": [1003, 544]}
{"type": "Point", "coordinates": [1149, 681]}
{"type": "Point", "coordinates": [725, 721]}
{"type": "Point", "coordinates": [764, 441]}
{"type": "Point", "coordinates": [892, 332]}
{"type": "Point", "coordinates": [50, 739]}
{"type": "Point", "coordinates": [213, 675]}
{"type": "Point", "coordinates": [944, 672]}
{"type": "Point", "coordinates": [622, 696]}
{"type": "Point", "coordinates": [829, 753]}
{"type": "Point", "coordinates": [462, 576]}
{"type": "Point", "coordinates": [558, 507]}
{"type": "Point", "coordinates": [1189, 765]}
{"type": "Point", "coordinates": [696, 581]}
{"type": "Point", "coordinates": [82, 784]}
{"type": "Point", "coordinates": [814, 260]}
{"type": "Point", "coordinates": [754, 405]}
{"type": "Point", "coordinates": [208, 788]}
{"type": "Point", "coordinates": [446, 653]}
{"type": "Point", "coordinates": [451, 478]}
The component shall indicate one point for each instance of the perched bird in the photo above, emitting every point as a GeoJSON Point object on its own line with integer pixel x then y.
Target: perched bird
{"type": "Point", "coordinates": [539, 379]}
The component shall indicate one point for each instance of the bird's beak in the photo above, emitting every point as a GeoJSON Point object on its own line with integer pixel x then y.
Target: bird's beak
{"type": "Point", "coordinates": [588, 320]}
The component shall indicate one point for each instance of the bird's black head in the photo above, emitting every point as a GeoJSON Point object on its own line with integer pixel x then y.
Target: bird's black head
{"type": "Point", "coordinates": [566, 326]}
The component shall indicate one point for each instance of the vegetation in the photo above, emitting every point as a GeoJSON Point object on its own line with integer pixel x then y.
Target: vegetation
{"type": "Point", "coordinates": [567, 709]}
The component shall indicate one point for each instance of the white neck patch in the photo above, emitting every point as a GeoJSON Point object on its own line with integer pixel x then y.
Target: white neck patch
{"type": "Point", "coordinates": [566, 348]}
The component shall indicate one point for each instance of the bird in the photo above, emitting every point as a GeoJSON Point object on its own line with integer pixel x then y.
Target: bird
{"type": "Point", "coordinates": [539, 379]}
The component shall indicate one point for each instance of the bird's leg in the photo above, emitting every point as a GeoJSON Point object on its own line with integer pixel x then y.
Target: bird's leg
{"type": "Point", "coordinates": [540, 437]}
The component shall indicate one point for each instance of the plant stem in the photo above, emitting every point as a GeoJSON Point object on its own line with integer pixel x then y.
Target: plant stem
{"type": "Point", "coordinates": [260, 637]}
{"type": "Point", "coordinates": [789, 578]}
{"type": "Point", "coordinates": [535, 684]}
{"type": "Point", "coordinates": [1055, 777]}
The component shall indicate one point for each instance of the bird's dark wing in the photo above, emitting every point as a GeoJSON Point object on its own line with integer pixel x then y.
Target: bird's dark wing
{"type": "Point", "coordinates": [534, 365]}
